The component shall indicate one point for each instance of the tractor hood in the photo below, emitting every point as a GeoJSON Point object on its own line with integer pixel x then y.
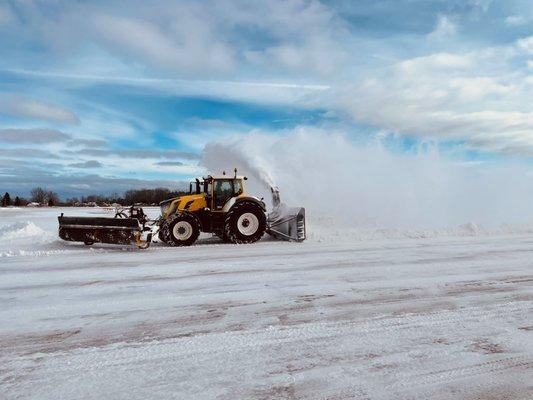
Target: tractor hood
{"type": "Point", "coordinates": [190, 202]}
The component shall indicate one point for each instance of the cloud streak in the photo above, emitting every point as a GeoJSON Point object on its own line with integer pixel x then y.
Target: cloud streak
{"type": "Point", "coordinates": [143, 154]}
{"type": "Point", "coordinates": [33, 136]}
{"type": "Point", "coordinates": [87, 164]}
{"type": "Point", "coordinates": [19, 106]}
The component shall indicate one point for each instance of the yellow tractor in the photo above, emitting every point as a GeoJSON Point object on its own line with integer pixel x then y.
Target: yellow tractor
{"type": "Point", "coordinates": [215, 204]}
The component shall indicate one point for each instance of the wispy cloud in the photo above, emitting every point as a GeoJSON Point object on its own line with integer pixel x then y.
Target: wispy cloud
{"type": "Point", "coordinates": [169, 164]}
{"type": "Point", "coordinates": [27, 153]}
{"type": "Point", "coordinates": [18, 106]}
{"type": "Point", "coordinates": [33, 136]}
{"type": "Point", "coordinates": [143, 154]}
{"type": "Point", "coordinates": [87, 164]}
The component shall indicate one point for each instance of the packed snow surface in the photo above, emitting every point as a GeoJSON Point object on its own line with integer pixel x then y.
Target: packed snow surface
{"type": "Point", "coordinates": [348, 314]}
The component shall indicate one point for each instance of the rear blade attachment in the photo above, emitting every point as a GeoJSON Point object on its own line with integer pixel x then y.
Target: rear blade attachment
{"type": "Point", "coordinates": [286, 223]}
{"type": "Point", "coordinates": [91, 230]}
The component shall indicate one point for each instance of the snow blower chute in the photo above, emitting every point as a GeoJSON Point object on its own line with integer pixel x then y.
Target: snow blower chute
{"type": "Point", "coordinates": [286, 223]}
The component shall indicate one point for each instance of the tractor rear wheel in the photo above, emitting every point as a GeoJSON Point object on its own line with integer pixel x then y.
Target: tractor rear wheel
{"type": "Point", "coordinates": [180, 230]}
{"type": "Point", "coordinates": [245, 223]}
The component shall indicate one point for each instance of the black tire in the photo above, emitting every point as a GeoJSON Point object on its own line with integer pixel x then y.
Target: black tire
{"type": "Point", "coordinates": [160, 235]}
{"type": "Point", "coordinates": [189, 230]}
{"type": "Point", "coordinates": [88, 243]}
{"type": "Point", "coordinates": [240, 229]}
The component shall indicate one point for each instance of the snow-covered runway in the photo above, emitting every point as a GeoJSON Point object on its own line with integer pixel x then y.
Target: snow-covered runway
{"type": "Point", "coordinates": [439, 318]}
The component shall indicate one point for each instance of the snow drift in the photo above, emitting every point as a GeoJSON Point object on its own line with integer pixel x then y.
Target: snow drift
{"type": "Point", "coordinates": [26, 238]}
{"type": "Point", "coordinates": [369, 185]}
{"type": "Point", "coordinates": [20, 230]}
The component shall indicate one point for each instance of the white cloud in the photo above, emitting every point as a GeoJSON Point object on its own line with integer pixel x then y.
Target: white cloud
{"type": "Point", "coordinates": [174, 48]}
{"type": "Point", "coordinates": [195, 39]}
{"type": "Point", "coordinates": [32, 136]}
{"type": "Point", "coordinates": [468, 97]}
{"type": "Point", "coordinates": [526, 44]}
{"type": "Point", "coordinates": [444, 29]}
{"type": "Point", "coordinates": [87, 164]}
{"type": "Point", "coordinates": [515, 20]}
{"type": "Point", "coordinates": [19, 106]}
{"type": "Point", "coordinates": [265, 92]}
{"type": "Point", "coordinates": [435, 62]}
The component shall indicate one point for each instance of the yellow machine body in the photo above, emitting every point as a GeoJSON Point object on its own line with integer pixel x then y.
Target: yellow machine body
{"type": "Point", "coordinates": [215, 194]}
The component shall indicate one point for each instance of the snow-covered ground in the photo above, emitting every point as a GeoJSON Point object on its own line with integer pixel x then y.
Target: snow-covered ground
{"type": "Point", "coordinates": [441, 317]}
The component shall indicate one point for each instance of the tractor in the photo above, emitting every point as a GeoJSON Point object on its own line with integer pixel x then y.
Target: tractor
{"type": "Point", "coordinates": [215, 204]}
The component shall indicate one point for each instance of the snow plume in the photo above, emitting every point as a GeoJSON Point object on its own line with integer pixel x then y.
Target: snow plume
{"type": "Point", "coordinates": [245, 155]}
{"type": "Point", "coordinates": [350, 184]}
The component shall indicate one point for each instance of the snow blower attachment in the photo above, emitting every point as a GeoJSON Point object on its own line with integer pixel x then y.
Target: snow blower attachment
{"type": "Point", "coordinates": [286, 223]}
{"type": "Point", "coordinates": [215, 204]}
{"type": "Point", "coordinates": [122, 229]}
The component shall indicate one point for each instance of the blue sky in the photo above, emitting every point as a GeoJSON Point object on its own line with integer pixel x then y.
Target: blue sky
{"type": "Point", "coordinates": [103, 96]}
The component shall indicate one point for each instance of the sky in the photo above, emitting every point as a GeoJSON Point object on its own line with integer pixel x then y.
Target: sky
{"type": "Point", "coordinates": [105, 96]}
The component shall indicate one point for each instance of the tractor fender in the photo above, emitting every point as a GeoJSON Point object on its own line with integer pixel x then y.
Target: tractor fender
{"type": "Point", "coordinates": [235, 200]}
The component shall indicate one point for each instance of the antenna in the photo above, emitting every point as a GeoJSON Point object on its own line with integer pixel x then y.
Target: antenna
{"type": "Point", "coordinates": [235, 172]}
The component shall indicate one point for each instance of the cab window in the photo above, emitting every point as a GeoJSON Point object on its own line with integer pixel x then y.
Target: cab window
{"type": "Point", "coordinates": [237, 187]}
{"type": "Point", "coordinates": [223, 192]}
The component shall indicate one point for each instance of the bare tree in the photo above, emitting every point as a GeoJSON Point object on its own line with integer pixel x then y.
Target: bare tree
{"type": "Point", "coordinates": [39, 195]}
{"type": "Point", "coordinates": [53, 198]}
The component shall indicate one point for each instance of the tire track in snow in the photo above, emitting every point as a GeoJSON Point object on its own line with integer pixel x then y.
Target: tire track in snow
{"type": "Point", "coordinates": [204, 348]}
{"type": "Point", "coordinates": [210, 343]}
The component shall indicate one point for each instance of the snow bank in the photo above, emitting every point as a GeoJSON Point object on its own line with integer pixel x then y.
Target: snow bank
{"type": "Point", "coordinates": [326, 231]}
{"type": "Point", "coordinates": [20, 230]}
{"type": "Point", "coordinates": [26, 238]}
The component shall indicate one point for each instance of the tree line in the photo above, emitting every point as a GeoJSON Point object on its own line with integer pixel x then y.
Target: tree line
{"type": "Point", "coordinates": [50, 198]}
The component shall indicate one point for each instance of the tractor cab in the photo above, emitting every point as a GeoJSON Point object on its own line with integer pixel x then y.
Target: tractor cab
{"type": "Point", "coordinates": [219, 190]}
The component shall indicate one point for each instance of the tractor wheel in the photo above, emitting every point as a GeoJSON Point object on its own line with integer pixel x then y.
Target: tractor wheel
{"type": "Point", "coordinates": [245, 223]}
{"type": "Point", "coordinates": [180, 230]}
{"type": "Point", "coordinates": [160, 235]}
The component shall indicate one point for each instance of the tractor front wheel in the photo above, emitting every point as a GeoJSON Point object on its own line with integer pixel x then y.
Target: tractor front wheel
{"type": "Point", "coordinates": [180, 230]}
{"type": "Point", "coordinates": [161, 236]}
{"type": "Point", "coordinates": [245, 223]}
